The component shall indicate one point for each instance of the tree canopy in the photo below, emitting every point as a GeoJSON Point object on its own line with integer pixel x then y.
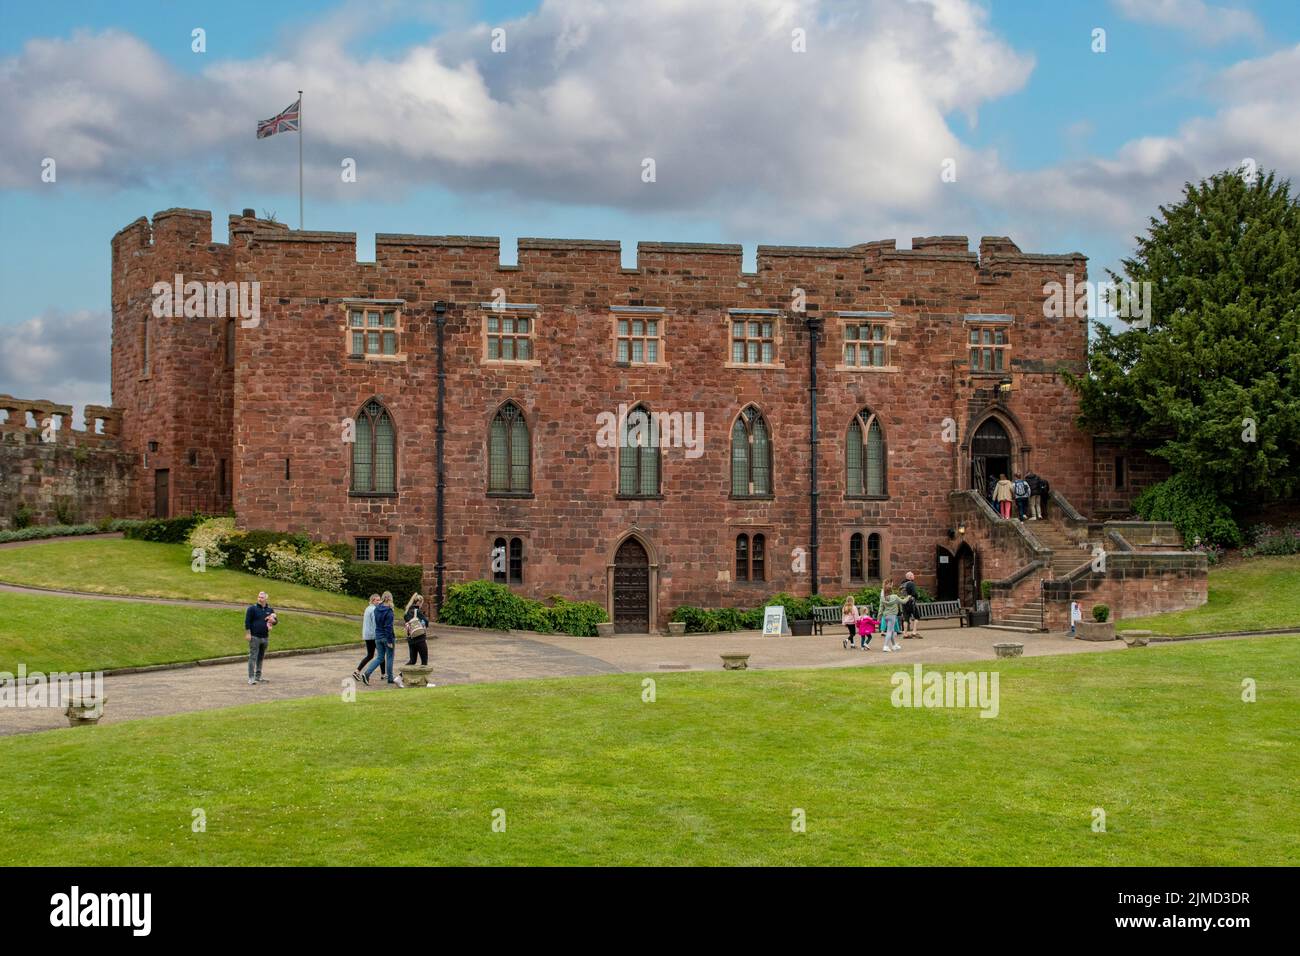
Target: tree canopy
{"type": "Point", "coordinates": [1214, 380]}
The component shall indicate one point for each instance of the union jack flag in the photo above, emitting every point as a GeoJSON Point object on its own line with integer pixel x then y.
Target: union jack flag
{"type": "Point", "coordinates": [285, 122]}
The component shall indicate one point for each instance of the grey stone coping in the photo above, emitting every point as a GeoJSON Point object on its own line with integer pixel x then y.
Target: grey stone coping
{"type": "Point", "coordinates": [812, 252]}
{"type": "Point", "coordinates": [694, 248]}
{"type": "Point", "coordinates": [1033, 258]}
{"type": "Point", "coordinates": [414, 239]}
{"type": "Point", "coordinates": [590, 245]}
{"type": "Point", "coordinates": [298, 235]}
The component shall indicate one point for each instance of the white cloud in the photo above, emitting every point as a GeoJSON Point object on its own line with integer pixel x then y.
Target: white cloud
{"type": "Point", "coordinates": [1209, 24]}
{"type": "Point", "coordinates": [60, 357]}
{"type": "Point", "coordinates": [586, 91]}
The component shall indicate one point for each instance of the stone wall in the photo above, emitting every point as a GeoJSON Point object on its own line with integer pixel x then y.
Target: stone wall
{"type": "Point", "coordinates": [294, 385]}
{"type": "Point", "coordinates": [1139, 470]}
{"type": "Point", "coordinates": [1135, 584]}
{"type": "Point", "coordinates": [59, 473]}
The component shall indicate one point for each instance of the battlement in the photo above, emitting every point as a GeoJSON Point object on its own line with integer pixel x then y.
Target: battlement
{"type": "Point", "coordinates": [26, 420]}
{"type": "Point", "coordinates": [996, 256]}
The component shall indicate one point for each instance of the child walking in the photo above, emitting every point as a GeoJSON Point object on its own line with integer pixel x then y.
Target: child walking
{"type": "Point", "coordinates": [849, 618]}
{"type": "Point", "coordinates": [890, 607]}
{"type": "Point", "coordinates": [866, 627]}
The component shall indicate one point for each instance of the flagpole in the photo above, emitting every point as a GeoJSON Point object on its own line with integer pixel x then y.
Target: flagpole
{"type": "Point", "coordinates": [300, 225]}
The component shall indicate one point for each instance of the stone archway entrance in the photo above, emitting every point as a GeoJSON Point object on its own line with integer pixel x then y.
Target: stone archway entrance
{"type": "Point", "coordinates": [990, 455]}
{"type": "Point", "coordinates": [945, 573]}
{"type": "Point", "coordinates": [967, 575]}
{"type": "Point", "coordinates": [631, 596]}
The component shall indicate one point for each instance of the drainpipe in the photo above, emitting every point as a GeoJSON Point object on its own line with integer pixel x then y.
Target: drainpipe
{"type": "Point", "coordinates": [439, 532]}
{"type": "Point", "coordinates": [814, 334]}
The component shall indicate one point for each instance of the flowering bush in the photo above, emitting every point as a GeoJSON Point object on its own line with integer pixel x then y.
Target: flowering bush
{"type": "Point", "coordinates": [314, 566]}
{"type": "Point", "coordinates": [1212, 552]}
{"type": "Point", "coordinates": [208, 535]}
{"type": "Point", "coordinates": [1265, 539]}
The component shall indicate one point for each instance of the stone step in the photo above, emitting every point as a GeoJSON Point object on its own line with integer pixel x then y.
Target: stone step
{"type": "Point", "coordinates": [1016, 629]}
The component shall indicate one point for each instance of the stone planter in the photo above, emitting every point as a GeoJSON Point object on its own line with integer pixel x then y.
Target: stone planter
{"type": "Point", "coordinates": [676, 628]}
{"type": "Point", "coordinates": [605, 630]}
{"type": "Point", "coordinates": [85, 711]}
{"type": "Point", "coordinates": [1008, 649]}
{"type": "Point", "coordinates": [1096, 631]}
{"type": "Point", "coordinates": [735, 662]}
{"type": "Point", "coordinates": [801, 628]}
{"type": "Point", "coordinates": [415, 675]}
{"type": "Point", "coordinates": [1136, 638]}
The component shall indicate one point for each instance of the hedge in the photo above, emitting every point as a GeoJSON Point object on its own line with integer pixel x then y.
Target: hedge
{"type": "Point", "coordinates": [164, 530]}
{"type": "Point", "coordinates": [712, 620]}
{"type": "Point", "coordinates": [363, 580]}
{"type": "Point", "coordinates": [494, 606]}
{"type": "Point", "coordinates": [47, 531]}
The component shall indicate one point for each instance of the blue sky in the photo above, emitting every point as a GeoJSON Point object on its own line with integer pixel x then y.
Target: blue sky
{"type": "Point", "coordinates": [1058, 146]}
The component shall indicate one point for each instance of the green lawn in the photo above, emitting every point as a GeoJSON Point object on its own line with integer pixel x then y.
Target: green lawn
{"type": "Point", "coordinates": [1255, 595]}
{"type": "Point", "coordinates": [52, 633]}
{"type": "Point", "coordinates": [118, 566]}
{"type": "Point", "coordinates": [710, 773]}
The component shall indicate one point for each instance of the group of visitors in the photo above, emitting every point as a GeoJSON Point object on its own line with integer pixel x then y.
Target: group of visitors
{"type": "Point", "coordinates": [898, 613]}
{"type": "Point", "coordinates": [1029, 492]}
{"type": "Point", "coordinates": [377, 631]}
{"type": "Point", "coordinates": [381, 641]}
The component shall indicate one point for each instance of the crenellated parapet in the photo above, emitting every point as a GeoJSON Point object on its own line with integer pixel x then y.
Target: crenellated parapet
{"type": "Point", "coordinates": [47, 422]}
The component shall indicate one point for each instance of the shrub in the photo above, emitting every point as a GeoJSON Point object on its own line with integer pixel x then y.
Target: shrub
{"type": "Point", "coordinates": [986, 588]}
{"type": "Point", "coordinates": [47, 531]}
{"type": "Point", "coordinates": [246, 550]}
{"type": "Point", "coordinates": [208, 535]}
{"type": "Point", "coordinates": [1100, 613]}
{"type": "Point", "coordinates": [163, 530]}
{"type": "Point", "coordinates": [696, 619]}
{"type": "Point", "coordinates": [22, 517]}
{"type": "Point", "coordinates": [401, 580]}
{"type": "Point", "coordinates": [312, 566]}
{"type": "Point", "coordinates": [488, 605]}
{"type": "Point", "coordinates": [65, 512]}
{"type": "Point", "coordinates": [796, 608]}
{"type": "Point", "coordinates": [578, 618]}
{"type": "Point", "coordinates": [1267, 540]}
{"type": "Point", "coordinates": [1196, 512]}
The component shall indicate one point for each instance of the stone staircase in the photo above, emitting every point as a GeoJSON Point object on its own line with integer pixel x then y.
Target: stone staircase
{"type": "Point", "coordinates": [1026, 617]}
{"type": "Point", "coordinates": [1067, 555]}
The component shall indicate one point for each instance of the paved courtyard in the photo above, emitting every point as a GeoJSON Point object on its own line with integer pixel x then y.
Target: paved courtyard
{"type": "Point", "coordinates": [462, 656]}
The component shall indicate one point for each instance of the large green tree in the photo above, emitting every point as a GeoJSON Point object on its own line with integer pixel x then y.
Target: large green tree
{"type": "Point", "coordinates": [1219, 363]}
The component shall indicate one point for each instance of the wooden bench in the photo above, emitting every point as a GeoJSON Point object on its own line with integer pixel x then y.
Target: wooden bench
{"type": "Point", "coordinates": [826, 615]}
{"type": "Point", "coordinates": [940, 610]}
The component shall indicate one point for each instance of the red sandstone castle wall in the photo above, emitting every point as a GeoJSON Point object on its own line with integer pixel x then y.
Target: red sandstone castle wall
{"type": "Point", "coordinates": [184, 402]}
{"type": "Point", "coordinates": [294, 384]}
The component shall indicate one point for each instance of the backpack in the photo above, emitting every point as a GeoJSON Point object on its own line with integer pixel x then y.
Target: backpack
{"type": "Point", "coordinates": [1021, 488]}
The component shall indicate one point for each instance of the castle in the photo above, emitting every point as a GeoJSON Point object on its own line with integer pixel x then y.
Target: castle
{"type": "Point", "coordinates": [829, 420]}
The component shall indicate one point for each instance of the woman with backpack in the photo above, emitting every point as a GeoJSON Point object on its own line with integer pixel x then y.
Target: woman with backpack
{"type": "Point", "coordinates": [417, 630]}
{"type": "Point", "coordinates": [1020, 489]}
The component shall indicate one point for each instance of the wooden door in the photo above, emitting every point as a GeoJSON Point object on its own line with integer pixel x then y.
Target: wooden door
{"type": "Point", "coordinates": [631, 588]}
{"type": "Point", "coordinates": [161, 493]}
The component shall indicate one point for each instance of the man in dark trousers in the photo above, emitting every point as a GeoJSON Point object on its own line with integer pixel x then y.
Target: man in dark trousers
{"type": "Point", "coordinates": [258, 621]}
{"type": "Point", "coordinates": [1038, 490]}
{"type": "Point", "coordinates": [910, 600]}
